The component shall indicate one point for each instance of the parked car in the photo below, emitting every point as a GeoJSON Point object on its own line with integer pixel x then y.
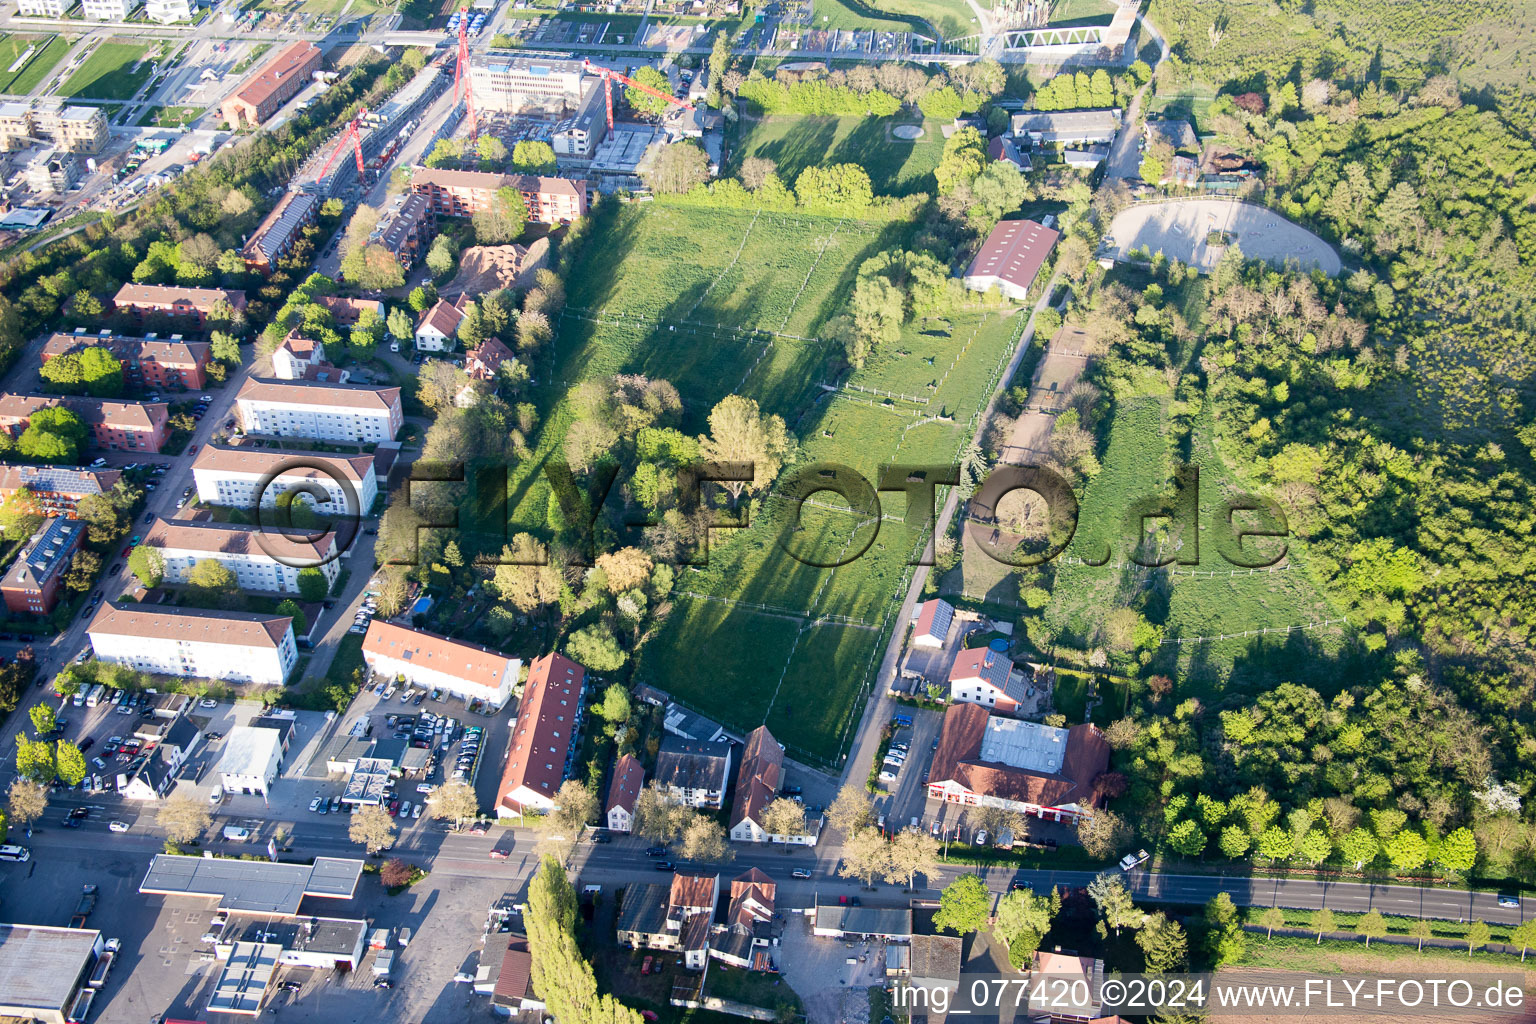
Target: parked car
{"type": "Point", "coordinates": [1132, 860]}
{"type": "Point", "coordinates": [801, 873]}
{"type": "Point", "coordinates": [117, 826]}
{"type": "Point", "coordinates": [86, 743]}
{"type": "Point", "coordinates": [314, 805]}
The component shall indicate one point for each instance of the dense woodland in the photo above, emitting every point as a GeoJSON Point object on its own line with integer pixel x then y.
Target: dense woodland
{"type": "Point", "coordinates": [1388, 413]}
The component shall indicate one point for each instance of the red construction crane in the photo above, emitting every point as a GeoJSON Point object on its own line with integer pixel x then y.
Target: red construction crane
{"type": "Point", "coordinates": [461, 74]}
{"type": "Point", "coordinates": [610, 76]}
{"type": "Point", "coordinates": [352, 133]}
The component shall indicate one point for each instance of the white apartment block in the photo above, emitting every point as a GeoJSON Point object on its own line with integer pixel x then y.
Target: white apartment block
{"type": "Point", "coordinates": [109, 10]}
{"type": "Point", "coordinates": [266, 560]}
{"type": "Point", "coordinates": [319, 410]}
{"type": "Point", "coordinates": [44, 8]}
{"type": "Point", "coordinates": [194, 643]}
{"type": "Point", "coordinates": [167, 11]}
{"type": "Point", "coordinates": [234, 477]}
{"type": "Point", "coordinates": [436, 662]}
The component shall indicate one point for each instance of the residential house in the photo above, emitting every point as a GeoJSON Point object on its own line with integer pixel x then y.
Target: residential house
{"type": "Point", "coordinates": [236, 477]}
{"type": "Point", "coordinates": [623, 790]}
{"type": "Point", "coordinates": [108, 10]}
{"type": "Point", "coordinates": [406, 228]}
{"type": "Point", "coordinates": [432, 662]}
{"type": "Point", "coordinates": [262, 558]}
{"type": "Point", "coordinates": [319, 410]}
{"type": "Point", "coordinates": [509, 979]}
{"type": "Point", "coordinates": [438, 330]}
{"type": "Point", "coordinates": [165, 12]}
{"type": "Point", "coordinates": [32, 583]}
{"type": "Point", "coordinates": [751, 929]}
{"type": "Point", "coordinates": [987, 760]}
{"type": "Point", "coordinates": [346, 311]}
{"type": "Point", "coordinates": [149, 362]}
{"type": "Point", "coordinates": [252, 759]}
{"type": "Point", "coordinates": [154, 773]}
{"type": "Point", "coordinates": [237, 647]}
{"type": "Point", "coordinates": [543, 744]}
{"type": "Point", "coordinates": [267, 88]}
{"type": "Point", "coordinates": [195, 304]}
{"type": "Point", "coordinates": [757, 786]}
{"type": "Point", "coordinates": [934, 964]}
{"type": "Point", "coordinates": [484, 362]}
{"type": "Point", "coordinates": [296, 356]}
{"type": "Point", "coordinates": [280, 229]}
{"type": "Point", "coordinates": [932, 626]}
{"type": "Point", "coordinates": [678, 917]}
{"type": "Point", "coordinates": [693, 773]}
{"type": "Point", "coordinates": [1011, 257]}
{"type": "Point", "coordinates": [983, 676]}
{"type": "Point", "coordinates": [1080, 979]}
{"type": "Point", "coordinates": [44, 8]}
{"type": "Point", "coordinates": [120, 426]}
{"type": "Point", "coordinates": [1003, 148]}
{"type": "Point", "coordinates": [1180, 135]}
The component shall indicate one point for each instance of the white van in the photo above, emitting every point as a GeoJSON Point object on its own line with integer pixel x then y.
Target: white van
{"type": "Point", "coordinates": [15, 853]}
{"type": "Point", "coordinates": [236, 834]}
{"type": "Point", "coordinates": [217, 796]}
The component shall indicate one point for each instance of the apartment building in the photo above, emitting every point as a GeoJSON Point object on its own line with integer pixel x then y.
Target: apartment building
{"type": "Point", "coordinates": [31, 585]}
{"type": "Point", "coordinates": [437, 663]}
{"type": "Point", "coordinates": [544, 84]}
{"type": "Point", "coordinates": [166, 12]}
{"type": "Point", "coordinates": [345, 311]}
{"type": "Point", "coordinates": [108, 10]}
{"type": "Point", "coordinates": [119, 426]}
{"type": "Point", "coordinates": [44, 8]}
{"type": "Point", "coordinates": [56, 490]}
{"type": "Point", "coordinates": [279, 230]}
{"type": "Point", "coordinates": [406, 228]}
{"type": "Point", "coordinates": [463, 193]}
{"type": "Point", "coordinates": [543, 746]}
{"type": "Point", "coordinates": [319, 410]}
{"type": "Point", "coordinates": [271, 85]}
{"type": "Point", "coordinates": [235, 477]}
{"type": "Point", "coordinates": [242, 647]}
{"type": "Point", "coordinates": [70, 128]}
{"type": "Point", "coordinates": [51, 170]}
{"type": "Point", "coordinates": [148, 362]}
{"type": "Point", "coordinates": [262, 558]}
{"type": "Point", "coordinates": [196, 304]}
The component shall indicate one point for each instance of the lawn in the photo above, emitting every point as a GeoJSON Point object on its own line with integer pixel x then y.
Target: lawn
{"type": "Point", "coordinates": [855, 15]}
{"type": "Point", "coordinates": [896, 166]}
{"type": "Point", "coordinates": [43, 60]}
{"type": "Point", "coordinates": [115, 71]}
{"type": "Point", "coordinates": [170, 117]}
{"type": "Point", "coordinates": [1074, 11]}
{"type": "Point", "coordinates": [758, 635]}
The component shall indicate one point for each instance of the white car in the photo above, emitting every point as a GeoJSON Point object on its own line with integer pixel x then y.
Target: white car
{"type": "Point", "coordinates": [1132, 860]}
{"type": "Point", "coordinates": [314, 805]}
{"type": "Point", "coordinates": [118, 826]}
{"type": "Point", "coordinates": [207, 702]}
{"type": "Point", "coordinates": [416, 811]}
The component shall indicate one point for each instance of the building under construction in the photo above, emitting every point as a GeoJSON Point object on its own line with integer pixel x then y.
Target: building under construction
{"type": "Point", "coordinates": [330, 171]}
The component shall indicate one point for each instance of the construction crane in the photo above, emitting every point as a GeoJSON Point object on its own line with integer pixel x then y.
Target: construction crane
{"type": "Point", "coordinates": [461, 74]}
{"type": "Point", "coordinates": [610, 76]}
{"type": "Point", "coordinates": [355, 135]}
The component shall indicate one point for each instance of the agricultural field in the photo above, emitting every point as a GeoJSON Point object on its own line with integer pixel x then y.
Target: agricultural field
{"type": "Point", "coordinates": [896, 167]}
{"type": "Point", "coordinates": [51, 50]}
{"type": "Point", "coordinates": [757, 635]}
{"type": "Point", "coordinates": [114, 71]}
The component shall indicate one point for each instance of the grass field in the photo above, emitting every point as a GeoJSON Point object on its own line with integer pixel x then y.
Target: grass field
{"type": "Point", "coordinates": [1068, 11]}
{"type": "Point", "coordinates": [756, 635]}
{"type": "Point", "coordinates": [109, 73]}
{"type": "Point", "coordinates": [897, 167]}
{"type": "Point", "coordinates": [170, 117]}
{"type": "Point", "coordinates": [30, 75]}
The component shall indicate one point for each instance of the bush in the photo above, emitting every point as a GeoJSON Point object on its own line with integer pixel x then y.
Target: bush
{"type": "Point", "coordinates": [395, 873]}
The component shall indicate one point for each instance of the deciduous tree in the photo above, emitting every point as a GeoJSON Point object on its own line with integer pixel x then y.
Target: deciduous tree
{"type": "Point", "coordinates": [372, 828]}
{"type": "Point", "coordinates": [739, 432]}
{"type": "Point", "coordinates": [34, 759]}
{"type": "Point", "coordinates": [28, 801]}
{"type": "Point", "coordinates": [850, 810]}
{"type": "Point", "coordinates": [912, 852]}
{"type": "Point", "coordinates": [69, 762]}
{"type": "Point", "coordinates": [1113, 899]}
{"type": "Point", "coordinates": [1022, 919]}
{"type": "Point", "coordinates": [455, 800]}
{"type": "Point", "coordinates": [704, 840]}
{"type": "Point", "coordinates": [865, 855]}
{"type": "Point", "coordinates": [964, 906]}
{"type": "Point", "coordinates": [184, 818]}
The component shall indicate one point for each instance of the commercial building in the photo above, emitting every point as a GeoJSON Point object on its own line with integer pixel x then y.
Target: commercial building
{"type": "Point", "coordinates": [623, 790]}
{"type": "Point", "coordinates": [240, 647]}
{"type": "Point", "coordinates": [120, 426]}
{"type": "Point", "coordinates": [57, 490]}
{"type": "Point", "coordinates": [933, 963]}
{"type": "Point", "coordinates": [464, 193]}
{"type": "Point", "coordinates": [509, 979]}
{"type": "Point", "coordinates": [237, 476]}
{"type": "Point", "coordinates": [261, 558]}
{"type": "Point", "coordinates": [1011, 257]}
{"type": "Point", "coordinates": [319, 410]}
{"type": "Point", "coordinates": [69, 127]}
{"type": "Point", "coordinates": [42, 970]}
{"type": "Point", "coordinates": [989, 761]}
{"type": "Point", "coordinates": [1066, 127]}
{"type": "Point", "coordinates": [576, 136]}
{"type": "Point", "coordinates": [435, 662]}
{"type": "Point", "coordinates": [51, 170]}
{"type": "Point", "coordinates": [196, 304]}
{"type": "Point", "coordinates": [273, 84]}
{"type": "Point", "coordinates": [693, 772]}
{"type": "Point", "coordinates": [544, 738]}
{"type": "Point", "coordinates": [252, 886]}
{"type": "Point", "coordinates": [542, 84]}
{"type": "Point", "coordinates": [166, 12]}
{"type": "Point", "coordinates": [109, 10]}
{"type": "Point", "coordinates": [844, 921]}
{"type": "Point", "coordinates": [253, 758]}
{"type": "Point", "coordinates": [31, 585]}
{"type": "Point", "coordinates": [279, 230]}
{"type": "Point", "coordinates": [321, 943]}
{"type": "Point", "coordinates": [149, 362]}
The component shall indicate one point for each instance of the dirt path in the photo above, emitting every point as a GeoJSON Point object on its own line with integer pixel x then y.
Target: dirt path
{"type": "Point", "coordinates": [1060, 368]}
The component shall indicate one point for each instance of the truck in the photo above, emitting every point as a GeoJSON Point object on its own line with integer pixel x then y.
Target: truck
{"type": "Point", "coordinates": [383, 962]}
{"type": "Point", "coordinates": [85, 906]}
{"type": "Point", "coordinates": [104, 964]}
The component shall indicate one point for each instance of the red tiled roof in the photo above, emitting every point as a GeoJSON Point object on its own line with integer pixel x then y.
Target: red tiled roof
{"type": "Point", "coordinates": [444, 178]}
{"type": "Point", "coordinates": [694, 891]}
{"type": "Point", "coordinates": [298, 345]}
{"type": "Point", "coordinates": [118, 415]}
{"type": "Point", "coordinates": [958, 759]}
{"type": "Point", "coordinates": [478, 665]}
{"type": "Point", "coordinates": [259, 461]}
{"type": "Point", "coordinates": [276, 72]}
{"type": "Point", "coordinates": [981, 663]}
{"type": "Point", "coordinates": [201, 299]}
{"type": "Point", "coordinates": [762, 765]}
{"type": "Point", "coordinates": [624, 789]}
{"type": "Point", "coordinates": [191, 625]}
{"type": "Point", "coordinates": [162, 351]}
{"type": "Point", "coordinates": [516, 971]}
{"type": "Point", "coordinates": [445, 316]}
{"type": "Point", "coordinates": [542, 737]}
{"type": "Point", "coordinates": [933, 618]}
{"type": "Point", "coordinates": [233, 539]}
{"type": "Point", "coordinates": [1014, 252]}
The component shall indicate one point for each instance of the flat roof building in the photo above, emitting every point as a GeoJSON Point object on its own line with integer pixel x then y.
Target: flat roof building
{"type": "Point", "coordinates": [548, 84]}
{"type": "Point", "coordinates": [42, 969]}
{"type": "Point", "coordinates": [1067, 127]}
{"type": "Point", "coordinates": [242, 985]}
{"type": "Point", "coordinates": [252, 886]}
